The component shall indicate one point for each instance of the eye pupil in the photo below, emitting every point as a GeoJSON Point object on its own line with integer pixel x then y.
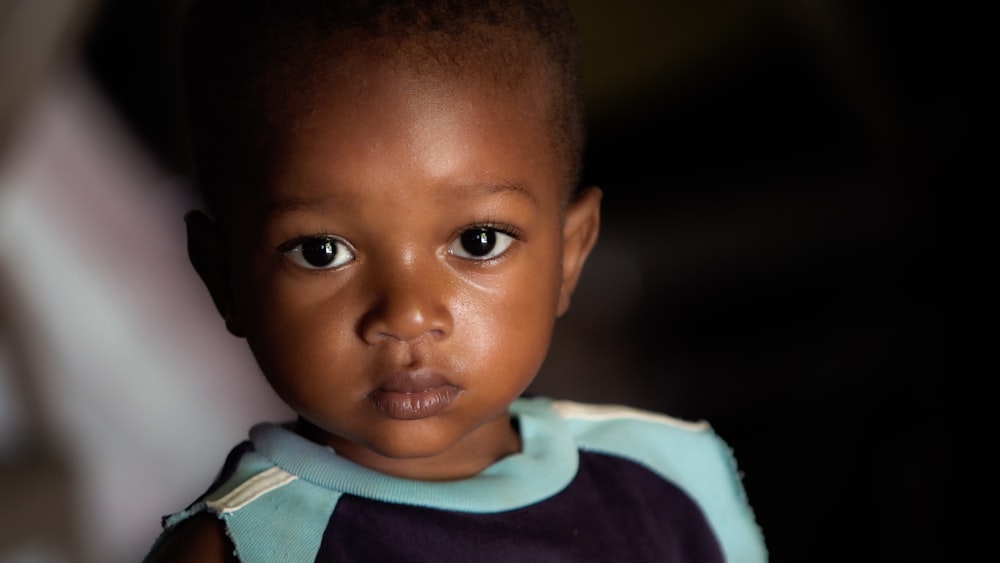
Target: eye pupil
{"type": "Point", "coordinates": [479, 242]}
{"type": "Point", "coordinates": [319, 252]}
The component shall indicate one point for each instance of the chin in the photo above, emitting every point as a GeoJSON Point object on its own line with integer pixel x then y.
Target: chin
{"type": "Point", "coordinates": [410, 448]}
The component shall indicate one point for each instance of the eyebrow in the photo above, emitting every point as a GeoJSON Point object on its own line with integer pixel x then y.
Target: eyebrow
{"type": "Point", "coordinates": [293, 204]}
{"type": "Point", "coordinates": [514, 188]}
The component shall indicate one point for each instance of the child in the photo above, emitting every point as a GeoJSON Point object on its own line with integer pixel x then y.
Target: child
{"type": "Point", "coordinates": [394, 229]}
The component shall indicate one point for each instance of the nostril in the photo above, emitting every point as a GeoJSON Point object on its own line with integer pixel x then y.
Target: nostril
{"type": "Point", "coordinates": [390, 321]}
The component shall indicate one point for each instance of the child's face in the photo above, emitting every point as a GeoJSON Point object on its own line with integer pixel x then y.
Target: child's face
{"type": "Point", "coordinates": [398, 276]}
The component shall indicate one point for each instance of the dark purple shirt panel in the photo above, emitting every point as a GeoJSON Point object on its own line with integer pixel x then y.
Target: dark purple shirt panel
{"type": "Point", "coordinates": [613, 510]}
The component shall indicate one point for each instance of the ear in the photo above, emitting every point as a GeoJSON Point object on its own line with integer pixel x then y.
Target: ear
{"type": "Point", "coordinates": [206, 250]}
{"type": "Point", "coordinates": [580, 228]}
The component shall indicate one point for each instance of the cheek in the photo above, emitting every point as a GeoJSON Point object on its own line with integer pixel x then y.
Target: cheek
{"type": "Point", "coordinates": [510, 326]}
{"type": "Point", "coordinates": [293, 328]}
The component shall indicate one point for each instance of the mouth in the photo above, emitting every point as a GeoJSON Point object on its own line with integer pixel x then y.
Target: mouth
{"type": "Point", "coordinates": [413, 395]}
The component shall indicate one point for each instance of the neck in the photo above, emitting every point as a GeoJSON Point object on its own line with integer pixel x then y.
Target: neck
{"type": "Point", "coordinates": [494, 440]}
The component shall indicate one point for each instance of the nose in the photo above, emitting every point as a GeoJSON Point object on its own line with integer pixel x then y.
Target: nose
{"type": "Point", "coordinates": [409, 303]}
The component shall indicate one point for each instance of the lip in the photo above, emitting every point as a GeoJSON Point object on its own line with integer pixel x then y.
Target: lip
{"type": "Point", "coordinates": [413, 395]}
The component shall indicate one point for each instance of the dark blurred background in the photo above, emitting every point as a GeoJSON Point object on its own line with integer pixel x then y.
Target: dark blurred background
{"type": "Point", "coordinates": [794, 245]}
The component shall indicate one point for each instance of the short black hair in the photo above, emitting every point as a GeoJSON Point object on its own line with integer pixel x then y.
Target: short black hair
{"type": "Point", "coordinates": [243, 58]}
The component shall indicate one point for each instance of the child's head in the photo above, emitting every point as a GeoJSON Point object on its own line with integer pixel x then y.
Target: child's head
{"type": "Point", "coordinates": [256, 67]}
{"type": "Point", "coordinates": [398, 221]}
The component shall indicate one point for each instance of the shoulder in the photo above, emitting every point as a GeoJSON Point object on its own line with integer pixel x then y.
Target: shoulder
{"type": "Point", "coordinates": [654, 438]}
{"type": "Point", "coordinates": [685, 452]}
{"type": "Point", "coordinates": [197, 533]}
{"type": "Point", "coordinates": [594, 415]}
{"type": "Point", "coordinates": [199, 539]}
{"type": "Point", "coordinates": [689, 454]}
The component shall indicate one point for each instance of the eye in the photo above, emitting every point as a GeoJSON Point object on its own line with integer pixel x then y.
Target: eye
{"type": "Point", "coordinates": [319, 253]}
{"type": "Point", "coordinates": [481, 243]}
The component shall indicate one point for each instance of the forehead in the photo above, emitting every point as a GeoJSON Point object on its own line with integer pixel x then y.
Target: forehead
{"type": "Point", "coordinates": [380, 123]}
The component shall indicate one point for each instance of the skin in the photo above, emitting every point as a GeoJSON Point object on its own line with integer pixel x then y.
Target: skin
{"type": "Point", "coordinates": [392, 167]}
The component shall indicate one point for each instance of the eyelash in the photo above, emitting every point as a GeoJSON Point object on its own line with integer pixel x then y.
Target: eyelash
{"type": "Point", "coordinates": [505, 228]}
{"type": "Point", "coordinates": [289, 245]}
